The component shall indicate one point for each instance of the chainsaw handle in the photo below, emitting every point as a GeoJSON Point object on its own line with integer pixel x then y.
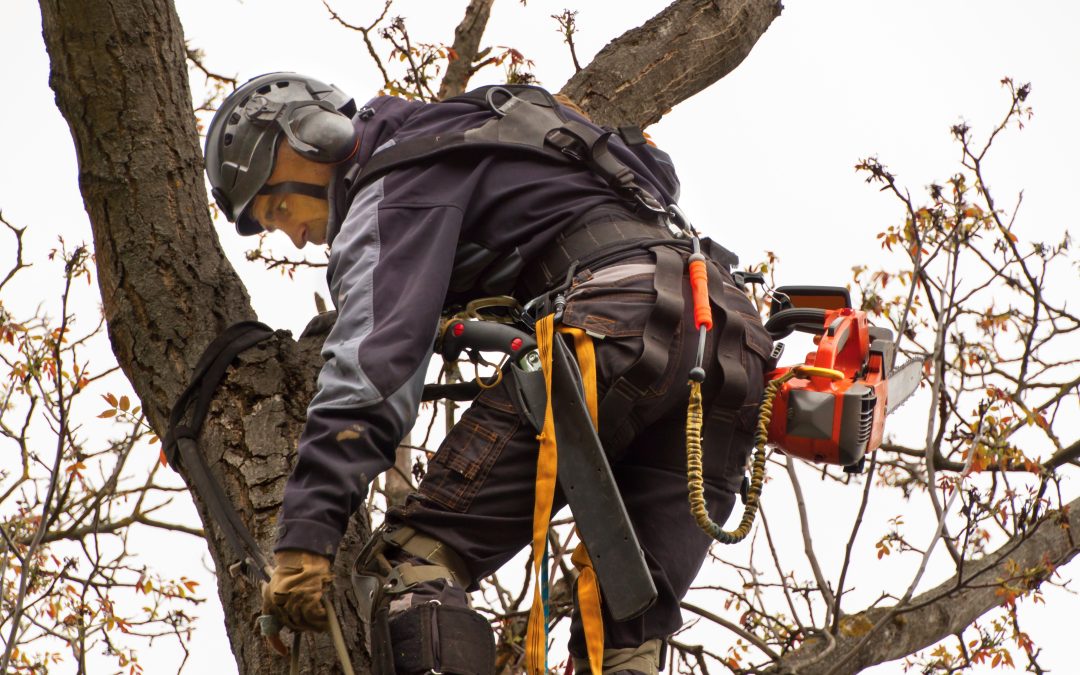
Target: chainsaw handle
{"type": "Point", "coordinates": [804, 319]}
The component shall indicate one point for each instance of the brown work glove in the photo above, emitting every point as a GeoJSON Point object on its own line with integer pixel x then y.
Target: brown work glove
{"type": "Point", "coordinates": [296, 587]}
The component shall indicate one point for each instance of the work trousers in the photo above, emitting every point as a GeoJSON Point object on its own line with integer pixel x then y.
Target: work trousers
{"type": "Point", "coordinates": [477, 496]}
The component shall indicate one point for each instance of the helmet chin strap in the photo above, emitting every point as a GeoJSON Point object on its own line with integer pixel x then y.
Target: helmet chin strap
{"type": "Point", "coordinates": [295, 187]}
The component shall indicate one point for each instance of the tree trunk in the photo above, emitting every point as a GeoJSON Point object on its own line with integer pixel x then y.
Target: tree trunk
{"type": "Point", "coordinates": [120, 77]}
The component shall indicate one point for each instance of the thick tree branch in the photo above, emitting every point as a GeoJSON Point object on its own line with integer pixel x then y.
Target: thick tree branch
{"type": "Point", "coordinates": [1023, 563]}
{"type": "Point", "coordinates": [644, 73]}
{"type": "Point", "coordinates": [467, 37]}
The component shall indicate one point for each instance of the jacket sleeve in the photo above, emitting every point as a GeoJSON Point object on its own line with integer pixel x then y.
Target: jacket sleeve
{"type": "Point", "coordinates": [389, 270]}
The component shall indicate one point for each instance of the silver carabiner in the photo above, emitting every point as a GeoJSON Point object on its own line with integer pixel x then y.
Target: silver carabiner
{"type": "Point", "coordinates": [679, 219]}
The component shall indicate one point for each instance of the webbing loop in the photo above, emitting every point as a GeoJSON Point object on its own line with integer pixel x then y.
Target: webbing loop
{"type": "Point", "coordinates": [546, 471]}
{"type": "Point", "coordinates": [181, 450]}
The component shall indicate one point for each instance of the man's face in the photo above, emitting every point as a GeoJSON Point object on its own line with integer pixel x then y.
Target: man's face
{"type": "Point", "coordinates": [301, 217]}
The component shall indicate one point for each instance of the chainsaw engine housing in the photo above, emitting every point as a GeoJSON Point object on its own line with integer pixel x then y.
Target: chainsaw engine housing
{"type": "Point", "coordinates": [836, 412]}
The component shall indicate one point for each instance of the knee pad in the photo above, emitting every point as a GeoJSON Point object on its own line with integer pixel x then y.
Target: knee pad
{"type": "Point", "coordinates": [421, 621]}
{"type": "Point", "coordinates": [645, 659]}
{"type": "Point", "coordinates": [437, 638]}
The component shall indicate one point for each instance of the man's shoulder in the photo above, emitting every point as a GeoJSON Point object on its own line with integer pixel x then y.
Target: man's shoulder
{"type": "Point", "coordinates": [432, 119]}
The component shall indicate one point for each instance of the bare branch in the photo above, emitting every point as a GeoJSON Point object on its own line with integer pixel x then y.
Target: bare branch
{"type": "Point", "coordinates": [365, 32]}
{"type": "Point", "coordinates": [721, 621]}
{"type": "Point", "coordinates": [808, 543]}
{"type": "Point", "coordinates": [19, 264]}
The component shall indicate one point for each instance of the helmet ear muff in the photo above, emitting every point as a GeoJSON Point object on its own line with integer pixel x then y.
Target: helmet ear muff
{"type": "Point", "coordinates": [314, 128]}
{"type": "Point", "coordinates": [320, 133]}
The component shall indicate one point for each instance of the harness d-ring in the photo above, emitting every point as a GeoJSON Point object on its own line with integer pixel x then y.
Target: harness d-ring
{"type": "Point", "coordinates": [489, 97]}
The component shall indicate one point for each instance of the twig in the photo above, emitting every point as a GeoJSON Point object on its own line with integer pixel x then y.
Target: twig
{"type": "Point", "coordinates": [365, 33]}
{"type": "Point", "coordinates": [568, 28]}
{"type": "Point", "coordinates": [836, 611]}
{"type": "Point", "coordinates": [808, 545]}
{"type": "Point", "coordinates": [721, 621]}
{"type": "Point", "coordinates": [17, 609]}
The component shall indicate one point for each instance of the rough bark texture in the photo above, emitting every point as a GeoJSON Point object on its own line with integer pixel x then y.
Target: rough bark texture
{"type": "Point", "coordinates": [120, 77]}
{"type": "Point", "coordinates": [466, 44]}
{"type": "Point", "coordinates": [946, 609]}
{"type": "Point", "coordinates": [640, 76]}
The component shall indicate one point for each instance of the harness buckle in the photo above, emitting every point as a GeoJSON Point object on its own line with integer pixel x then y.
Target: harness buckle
{"type": "Point", "coordinates": [645, 199]}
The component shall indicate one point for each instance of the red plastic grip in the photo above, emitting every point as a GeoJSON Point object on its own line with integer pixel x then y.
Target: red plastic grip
{"type": "Point", "coordinates": [699, 284]}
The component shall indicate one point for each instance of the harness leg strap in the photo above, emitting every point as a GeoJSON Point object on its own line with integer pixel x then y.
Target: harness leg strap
{"type": "Point", "coordinates": [659, 331]}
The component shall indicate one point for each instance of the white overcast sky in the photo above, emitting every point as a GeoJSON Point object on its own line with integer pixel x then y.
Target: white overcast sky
{"type": "Point", "coordinates": [766, 155]}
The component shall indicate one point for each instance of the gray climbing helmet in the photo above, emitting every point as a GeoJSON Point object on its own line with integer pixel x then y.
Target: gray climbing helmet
{"type": "Point", "coordinates": [315, 118]}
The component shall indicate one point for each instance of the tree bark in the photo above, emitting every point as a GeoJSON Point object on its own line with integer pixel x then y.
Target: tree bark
{"type": "Point", "coordinates": [641, 75]}
{"type": "Point", "coordinates": [467, 37]}
{"type": "Point", "coordinates": [1024, 562]}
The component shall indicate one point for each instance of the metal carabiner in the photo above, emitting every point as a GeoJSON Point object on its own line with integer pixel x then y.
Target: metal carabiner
{"type": "Point", "coordinates": [489, 98]}
{"type": "Point", "coordinates": [679, 219]}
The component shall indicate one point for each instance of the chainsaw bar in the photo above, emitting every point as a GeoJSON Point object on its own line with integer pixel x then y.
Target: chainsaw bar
{"type": "Point", "coordinates": [902, 383]}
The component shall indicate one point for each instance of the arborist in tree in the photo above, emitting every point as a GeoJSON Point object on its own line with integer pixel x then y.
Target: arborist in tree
{"type": "Point", "coordinates": [503, 191]}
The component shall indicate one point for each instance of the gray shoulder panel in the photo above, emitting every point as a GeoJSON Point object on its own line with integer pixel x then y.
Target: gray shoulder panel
{"type": "Point", "coordinates": [355, 253]}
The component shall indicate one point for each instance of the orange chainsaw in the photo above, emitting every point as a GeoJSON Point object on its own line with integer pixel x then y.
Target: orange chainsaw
{"type": "Point", "coordinates": [832, 409]}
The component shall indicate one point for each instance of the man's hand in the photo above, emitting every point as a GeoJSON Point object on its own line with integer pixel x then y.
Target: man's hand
{"type": "Point", "coordinates": [295, 591]}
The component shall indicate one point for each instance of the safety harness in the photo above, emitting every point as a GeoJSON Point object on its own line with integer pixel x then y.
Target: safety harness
{"type": "Point", "coordinates": [527, 119]}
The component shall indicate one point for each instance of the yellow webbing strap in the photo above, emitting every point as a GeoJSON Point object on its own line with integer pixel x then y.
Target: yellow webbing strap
{"type": "Point", "coordinates": [588, 597]}
{"type": "Point", "coordinates": [546, 472]}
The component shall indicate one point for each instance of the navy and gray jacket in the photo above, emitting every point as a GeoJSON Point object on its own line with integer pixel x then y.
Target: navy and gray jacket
{"type": "Point", "coordinates": [411, 242]}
